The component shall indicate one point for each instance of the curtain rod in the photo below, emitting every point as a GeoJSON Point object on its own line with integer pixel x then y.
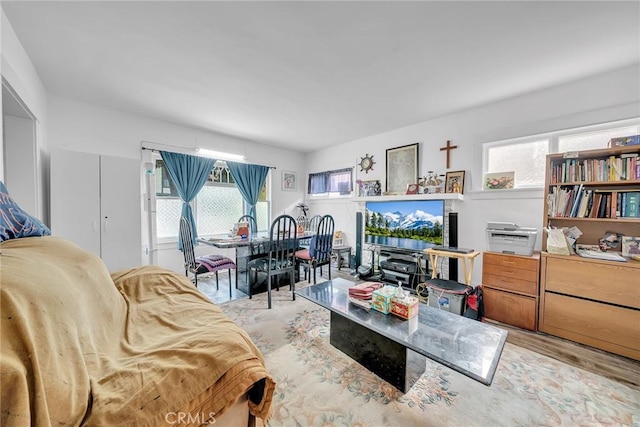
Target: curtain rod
{"type": "Point", "coordinates": [157, 150]}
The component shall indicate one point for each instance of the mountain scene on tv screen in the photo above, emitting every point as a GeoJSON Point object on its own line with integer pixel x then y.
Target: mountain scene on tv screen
{"type": "Point", "coordinates": [392, 223]}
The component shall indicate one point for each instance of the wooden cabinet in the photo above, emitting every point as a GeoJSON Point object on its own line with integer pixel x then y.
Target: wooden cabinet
{"type": "Point", "coordinates": [510, 288]}
{"type": "Point", "coordinates": [96, 203]}
{"type": "Point", "coordinates": [591, 301]}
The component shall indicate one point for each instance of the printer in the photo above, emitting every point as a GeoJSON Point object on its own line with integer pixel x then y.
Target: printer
{"type": "Point", "coordinates": [509, 238]}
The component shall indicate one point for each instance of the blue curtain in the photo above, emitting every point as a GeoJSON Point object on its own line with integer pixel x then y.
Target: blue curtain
{"type": "Point", "coordinates": [250, 179]}
{"type": "Point", "coordinates": [189, 174]}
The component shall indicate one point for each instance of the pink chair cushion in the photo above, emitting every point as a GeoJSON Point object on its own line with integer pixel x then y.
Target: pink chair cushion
{"type": "Point", "coordinates": [303, 253]}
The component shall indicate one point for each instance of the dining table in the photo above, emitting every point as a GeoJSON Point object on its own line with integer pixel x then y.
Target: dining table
{"type": "Point", "coordinates": [246, 248]}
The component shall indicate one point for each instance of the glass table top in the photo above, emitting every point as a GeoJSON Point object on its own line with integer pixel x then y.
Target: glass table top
{"type": "Point", "coordinates": [470, 347]}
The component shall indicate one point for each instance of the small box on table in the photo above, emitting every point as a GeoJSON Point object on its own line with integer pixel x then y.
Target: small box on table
{"type": "Point", "coordinates": [381, 299]}
{"type": "Point", "coordinates": [405, 307]}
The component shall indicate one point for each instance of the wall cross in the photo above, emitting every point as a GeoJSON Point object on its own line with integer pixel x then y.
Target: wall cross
{"type": "Point", "coordinates": [448, 148]}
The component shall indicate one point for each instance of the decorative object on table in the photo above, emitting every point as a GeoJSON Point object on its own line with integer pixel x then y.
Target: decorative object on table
{"type": "Point", "coordinates": [381, 299]}
{"type": "Point", "coordinates": [499, 180]}
{"type": "Point", "coordinates": [432, 183]}
{"type": "Point", "coordinates": [366, 163]}
{"type": "Point", "coordinates": [448, 149]}
{"type": "Point", "coordinates": [455, 182]}
{"type": "Point", "coordinates": [630, 246]}
{"type": "Point", "coordinates": [369, 188]}
{"type": "Point", "coordinates": [402, 168]}
{"type": "Point", "coordinates": [412, 189]}
{"type": "Point", "coordinates": [404, 305]}
{"type": "Point", "coordinates": [288, 180]}
{"type": "Point", "coordinates": [364, 290]}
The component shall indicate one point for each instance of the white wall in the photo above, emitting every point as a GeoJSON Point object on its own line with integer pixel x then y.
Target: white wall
{"type": "Point", "coordinates": [20, 74]}
{"type": "Point", "coordinates": [607, 97]}
{"type": "Point", "coordinates": [79, 126]}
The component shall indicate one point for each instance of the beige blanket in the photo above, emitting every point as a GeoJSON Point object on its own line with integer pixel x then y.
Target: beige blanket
{"type": "Point", "coordinates": [81, 347]}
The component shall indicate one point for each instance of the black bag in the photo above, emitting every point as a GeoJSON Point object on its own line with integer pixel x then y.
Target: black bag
{"type": "Point", "coordinates": [475, 305]}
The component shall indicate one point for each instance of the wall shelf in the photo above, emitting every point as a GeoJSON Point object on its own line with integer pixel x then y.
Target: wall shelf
{"type": "Point", "coordinates": [435, 196]}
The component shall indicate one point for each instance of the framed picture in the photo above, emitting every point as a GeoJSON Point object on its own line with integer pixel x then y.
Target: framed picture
{"type": "Point", "coordinates": [454, 182]}
{"type": "Point", "coordinates": [630, 245]}
{"type": "Point", "coordinates": [370, 188]}
{"type": "Point", "coordinates": [413, 188]}
{"type": "Point", "coordinates": [288, 180]}
{"type": "Point", "coordinates": [402, 168]}
{"type": "Point", "coordinates": [499, 180]}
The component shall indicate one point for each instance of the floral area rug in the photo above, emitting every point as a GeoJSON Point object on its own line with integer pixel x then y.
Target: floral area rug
{"type": "Point", "coordinates": [317, 385]}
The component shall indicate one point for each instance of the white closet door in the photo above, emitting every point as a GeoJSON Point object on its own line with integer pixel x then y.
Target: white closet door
{"type": "Point", "coordinates": [121, 212]}
{"type": "Point", "coordinates": [75, 198]}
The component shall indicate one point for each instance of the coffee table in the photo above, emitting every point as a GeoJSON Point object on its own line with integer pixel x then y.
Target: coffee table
{"type": "Point", "coordinates": [396, 349]}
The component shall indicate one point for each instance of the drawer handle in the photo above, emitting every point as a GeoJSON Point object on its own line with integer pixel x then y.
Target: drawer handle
{"type": "Point", "coordinates": [504, 261]}
{"type": "Point", "coordinates": [507, 281]}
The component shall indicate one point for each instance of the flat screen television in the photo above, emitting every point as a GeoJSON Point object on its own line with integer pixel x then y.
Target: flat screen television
{"type": "Point", "coordinates": [405, 224]}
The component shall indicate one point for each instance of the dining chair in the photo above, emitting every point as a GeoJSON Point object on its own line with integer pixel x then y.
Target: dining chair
{"type": "Point", "coordinates": [320, 248]}
{"type": "Point", "coordinates": [312, 224]}
{"type": "Point", "coordinates": [280, 254]}
{"type": "Point", "coordinates": [211, 263]}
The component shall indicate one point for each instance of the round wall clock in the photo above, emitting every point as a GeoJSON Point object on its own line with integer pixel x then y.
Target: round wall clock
{"type": "Point", "coordinates": [366, 163]}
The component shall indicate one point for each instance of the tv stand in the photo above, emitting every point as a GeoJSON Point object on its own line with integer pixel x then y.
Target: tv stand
{"type": "Point", "coordinates": [409, 267]}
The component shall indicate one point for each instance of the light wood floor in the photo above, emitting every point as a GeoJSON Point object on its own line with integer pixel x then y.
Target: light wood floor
{"type": "Point", "coordinates": [618, 368]}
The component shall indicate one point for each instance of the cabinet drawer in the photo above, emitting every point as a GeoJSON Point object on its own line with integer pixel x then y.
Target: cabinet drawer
{"type": "Point", "coordinates": [612, 283]}
{"type": "Point", "coordinates": [507, 283]}
{"type": "Point", "coordinates": [600, 325]}
{"type": "Point", "coordinates": [513, 309]}
{"type": "Point", "coordinates": [516, 273]}
{"type": "Point", "coordinates": [510, 261]}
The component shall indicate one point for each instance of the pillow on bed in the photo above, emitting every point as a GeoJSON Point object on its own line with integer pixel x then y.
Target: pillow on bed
{"type": "Point", "coordinates": [15, 222]}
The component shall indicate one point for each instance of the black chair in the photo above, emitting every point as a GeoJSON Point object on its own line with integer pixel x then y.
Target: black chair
{"type": "Point", "coordinates": [313, 222]}
{"type": "Point", "coordinates": [319, 251]}
{"type": "Point", "coordinates": [279, 257]}
{"type": "Point", "coordinates": [203, 264]}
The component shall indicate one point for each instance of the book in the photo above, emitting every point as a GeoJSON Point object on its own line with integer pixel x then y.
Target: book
{"type": "Point", "coordinates": [630, 246]}
{"type": "Point", "coordinates": [632, 205]}
{"type": "Point", "coordinates": [594, 252]}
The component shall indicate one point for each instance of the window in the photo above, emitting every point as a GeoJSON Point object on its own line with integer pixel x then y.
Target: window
{"type": "Point", "coordinates": [526, 156]}
{"type": "Point", "coordinates": [216, 207]}
{"type": "Point", "coordinates": [336, 182]}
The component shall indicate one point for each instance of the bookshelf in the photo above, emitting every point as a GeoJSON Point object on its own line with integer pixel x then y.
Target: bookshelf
{"type": "Point", "coordinates": [593, 302]}
{"type": "Point", "coordinates": [595, 190]}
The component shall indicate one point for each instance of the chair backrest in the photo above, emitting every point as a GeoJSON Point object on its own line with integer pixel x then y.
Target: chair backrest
{"type": "Point", "coordinates": [312, 225]}
{"type": "Point", "coordinates": [322, 241]}
{"type": "Point", "coordinates": [283, 242]}
{"type": "Point", "coordinates": [187, 243]}
{"type": "Point", "coordinates": [253, 224]}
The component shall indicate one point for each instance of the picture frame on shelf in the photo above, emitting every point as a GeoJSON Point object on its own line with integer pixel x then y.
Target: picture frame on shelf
{"type": "Point", "coordinates": [630, 245]}
{"type": "Point", "coordinates": [413, 189]}
{"type": "Point", "coordinates": [499, 180]}
{"type": "Point", "coordinates": [289, 181]}
{"type": "Point", "coordinates": [402, 168]}
{"type": "Point", "coordinates": [369, 188]}
{"type": "Point", "coordinates": [454, 182]}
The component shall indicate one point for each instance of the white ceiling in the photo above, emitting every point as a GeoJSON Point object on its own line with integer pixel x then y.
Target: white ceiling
{"type": "Point", "coordinates": [308, 75]}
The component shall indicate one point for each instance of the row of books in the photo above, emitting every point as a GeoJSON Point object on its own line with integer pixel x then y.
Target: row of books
{"type": "Point", "coordinates": [625, 167]}
{"type": "Point", "coordinates": [579, 202]}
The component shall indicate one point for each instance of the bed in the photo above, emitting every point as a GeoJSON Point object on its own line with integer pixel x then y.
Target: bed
{"type": "Point", "coordinates": [142, 346]}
